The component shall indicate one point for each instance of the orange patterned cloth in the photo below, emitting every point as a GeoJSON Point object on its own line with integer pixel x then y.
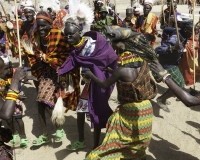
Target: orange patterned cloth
{"type": "Point", "coordinates": [187, 61]}
{"type": "Point", "coordinates": [58, 22]}
{"type": "Point", "coordinates": [57, 52]}
{"type": "Point", "coordinates": [147, 25]}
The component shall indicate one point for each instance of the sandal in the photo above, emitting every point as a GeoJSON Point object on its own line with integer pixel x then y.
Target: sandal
{"type": "Point", "coordinates": [76, 145]}
{"type": "Point", "coordinates": [41, 140]}
{"type": "Point", "coordinates": [24, 142]}
{"type": "Point", "coordinates": [15, 139]}
{"type": "Point", "coordinates": [59, 135]}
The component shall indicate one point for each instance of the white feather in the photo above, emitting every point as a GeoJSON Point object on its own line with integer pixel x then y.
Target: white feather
{"type": "Point", "coordinates": [54, 4]}
{"type": "Point", "coordinates": [58, 117]}
{"type": "Point", "coordinates": [81, 13]}
{"type": "Point", "coordinates": [27, 46]}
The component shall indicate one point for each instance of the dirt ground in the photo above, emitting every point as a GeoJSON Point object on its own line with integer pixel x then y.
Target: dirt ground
{"type": "Point", "coordinates": [175, 134]}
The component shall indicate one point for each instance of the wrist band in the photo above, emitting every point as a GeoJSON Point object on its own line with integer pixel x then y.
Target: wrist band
{"type": "Point", "coordinates": [166, 77]}
{"type": "Point", "coordinates": [11, 95]}
{"type": "Point", "coordinates": [15, 91]}
{"type": "Point", "coordinates": [163, 72]}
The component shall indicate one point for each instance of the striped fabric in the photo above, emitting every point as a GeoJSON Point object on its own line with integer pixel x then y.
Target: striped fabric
{"type": "Point", "coordinates": [129, 132]}
{"type": "Point", "coordinates": [56, 53]}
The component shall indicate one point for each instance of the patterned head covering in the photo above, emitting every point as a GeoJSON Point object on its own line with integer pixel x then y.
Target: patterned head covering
{"type": "Point", "coordinates": [44, 15]}
{"type": "Point", "coordinates": [148, 2]}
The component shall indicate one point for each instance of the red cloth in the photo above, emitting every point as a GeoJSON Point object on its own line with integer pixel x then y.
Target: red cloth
{"type": "Point", "coordinates": [187, 62]}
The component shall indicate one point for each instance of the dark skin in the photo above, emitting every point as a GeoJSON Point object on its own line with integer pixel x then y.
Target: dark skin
{"type": "Point", "coordinates": [184, 96]}
{"type": "Point", "coordinates": [7, 107]}
{"type": "Point", "coordinates": [103, 15]}
{"type": "Point", "coordinates": [43, 27]}
{"type": "Point", "coordinates": [121, 73]}
{"type": "Point", "coordinates": [186, 33]}
{"type": "Point", "coordinates": [147, 9]}
{"type": "Point", "coordinates": [29, 14]}
{"type": "Point", "coordinates": [8, 17]}
{"type": "Point", "coordinates": [71, 33]}
{"type": "Point", "coordinates": [53, 15]}
{"type": "Point", "coordinates": [27, 27]}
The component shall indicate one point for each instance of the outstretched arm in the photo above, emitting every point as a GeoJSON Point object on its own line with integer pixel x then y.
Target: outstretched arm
{"type": "Point", "coordinates": [103, 84]}
{"type": "Point", "coordinates": [184, 96]}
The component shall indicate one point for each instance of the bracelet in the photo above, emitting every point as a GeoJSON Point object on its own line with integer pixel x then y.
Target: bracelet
{"type": "Point", "coordinates": [166, 77]}
{"type": "Point", "coordinates": [11, 95]}
{"type": "Point", "coordinates": [15, 91]}
{"type": "Point", "coordinates": [163, 72]}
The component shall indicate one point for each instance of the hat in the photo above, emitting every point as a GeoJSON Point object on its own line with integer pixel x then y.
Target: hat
{"type": "Point", "coordinates": [129, 10]}
{"type": "Point", "coordinates": [103, 9]}
{"type": "Point", "coordinates": [148, 2]}
{"type": "Point", "coordinates": [29, 5]}
{"type": "Point", "coordinates": [44, 15]}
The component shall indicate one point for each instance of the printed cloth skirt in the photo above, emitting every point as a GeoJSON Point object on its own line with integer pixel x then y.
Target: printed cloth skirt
{"type": "Point", "coordinates": [128, 134]}
{"type": "Point", "coordinates": [46, 92]}
{"type": "Point", "coordinates": [177, 77]}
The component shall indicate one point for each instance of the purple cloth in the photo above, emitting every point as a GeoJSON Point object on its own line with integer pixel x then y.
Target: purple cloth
{"type": "Point", "coordinates": [102, 57]}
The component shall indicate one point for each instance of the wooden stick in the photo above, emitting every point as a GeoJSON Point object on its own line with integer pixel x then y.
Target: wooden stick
{"type": "Point", "coordinates": [170, 10]}
{"type": "Point", "coordinates": [35, 5]}
{"type": "Point", "coordinates": [3, 8]}
{"type": "Point", "coordinates": [18, 38]}
{"type": "Point", "coordinates": [175, 21]}
{"type": "Point", "coordinates": [162, 11]}
{"type": "Point", "coordinates": [193, 33]}
{"type": "Point", "coordinates": [116, 10]}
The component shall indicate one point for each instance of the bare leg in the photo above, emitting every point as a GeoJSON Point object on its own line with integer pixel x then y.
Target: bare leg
{"type": "Point", "coordinates": [97, 132]}
{"type": "Point", "coordinates": [80, 125]}
{"type": "Point", "coordinates": [21, 127]}
{"type": "Point", "coordinates": [12, 126]}
{"type": "Point", "coordinates": [162, 100]}
{"type": "Point", "coordinates": [42, 117]}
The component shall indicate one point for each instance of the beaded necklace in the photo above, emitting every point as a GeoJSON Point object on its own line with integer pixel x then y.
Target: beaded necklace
{"type": "Point", "coordinates": [80, 43]}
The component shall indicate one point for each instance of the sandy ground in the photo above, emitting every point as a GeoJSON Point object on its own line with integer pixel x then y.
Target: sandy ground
{"type": "Point", "coordinates": [175, 135]}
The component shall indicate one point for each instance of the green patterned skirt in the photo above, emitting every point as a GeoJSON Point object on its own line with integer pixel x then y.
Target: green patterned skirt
{"type": "Point", "coordinates": [177, 76]}
{"type": "Point", "coordinates": [128, 134]}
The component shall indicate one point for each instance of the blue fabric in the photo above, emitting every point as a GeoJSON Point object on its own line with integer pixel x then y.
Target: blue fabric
{"type": "Point", "coordinates": [166, 58]}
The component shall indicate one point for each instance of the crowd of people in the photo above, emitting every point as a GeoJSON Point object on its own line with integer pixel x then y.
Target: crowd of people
{"type": "Point", "coordinates": [95, 48]}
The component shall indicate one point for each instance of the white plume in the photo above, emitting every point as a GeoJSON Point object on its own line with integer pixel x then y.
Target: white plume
{"type": "Point", "coordinates": [54, 4]}
{"type": "Point", "coordinates": [80, 13]}
{"type": "Point", "coordinates": [58, 117]}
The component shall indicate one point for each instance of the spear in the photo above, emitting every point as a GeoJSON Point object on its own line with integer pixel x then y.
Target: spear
{"type": "Point", "coordinates": [162, 12]}
{"type": "Point", "coordinates": [193, 44]}
{"type": "Point", "coordinates": [18, 38]}
{"type": "Point", "coordinates": [170, 10]}
{"type": "Point", "coordinates": [3, 8]}
{"type": "Point", "coordinates": [175, 21]}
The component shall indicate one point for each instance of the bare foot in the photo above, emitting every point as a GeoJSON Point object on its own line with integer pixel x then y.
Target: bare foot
{"type": "Point", "coordinates": [162, 105]}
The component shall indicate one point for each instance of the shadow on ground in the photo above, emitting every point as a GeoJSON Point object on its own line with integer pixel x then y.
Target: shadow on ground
{"type": "Point", "coordinates": [72, 135]}
{"type": "Point", "coordinates": [163, 150]}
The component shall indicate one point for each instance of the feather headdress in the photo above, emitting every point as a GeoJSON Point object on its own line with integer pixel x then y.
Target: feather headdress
{"type": "Point", "coordinates": [45, 4]}
{"type": "Point", "coordinates": [81, 15]}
